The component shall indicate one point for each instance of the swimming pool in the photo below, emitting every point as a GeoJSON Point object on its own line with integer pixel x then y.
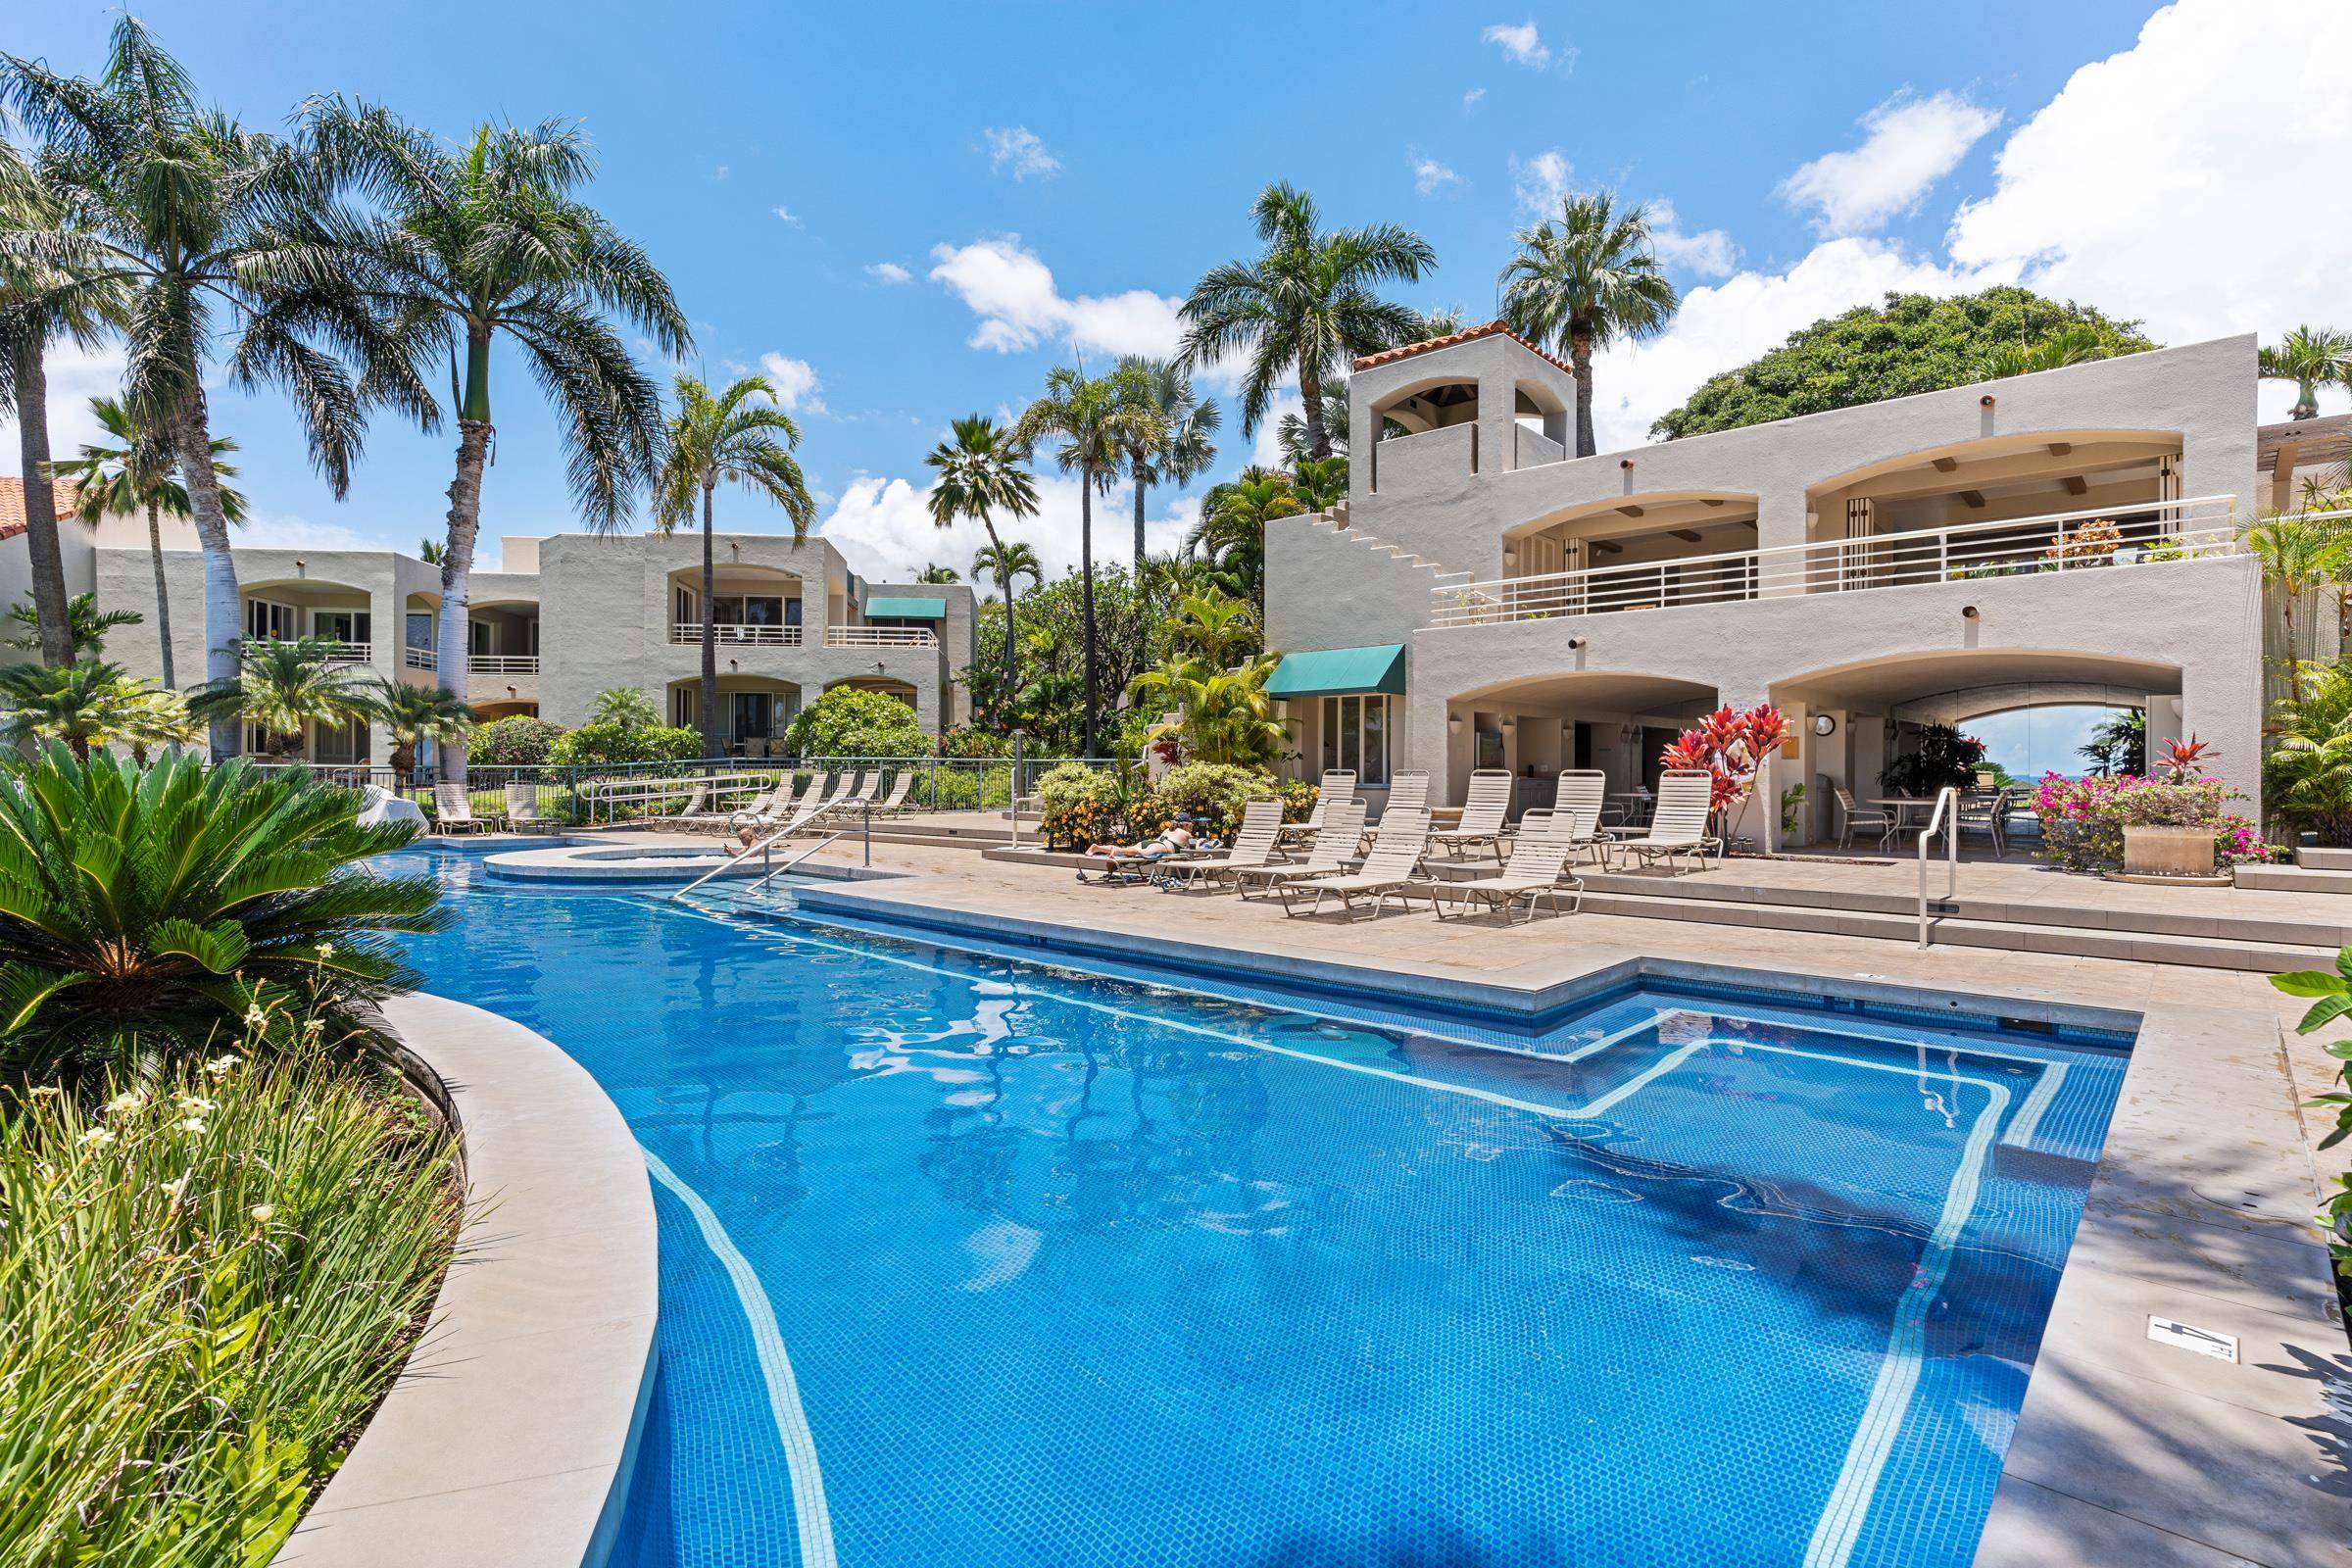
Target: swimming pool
{"type": "Point", "coordinates": [966, 1261]}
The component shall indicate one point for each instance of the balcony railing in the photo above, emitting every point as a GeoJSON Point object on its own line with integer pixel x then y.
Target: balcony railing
{"type": "Point", "coordinates": [502, 663]}
{"type": "Point", "coordinates": [2062, 541]}
{"type": "Point", "coordinates": [350, 653]}
{"type": "Point", "coordinates": [737, 632]}
{"type": "Point", "coordinates": [881, 637]}
{"type": "Point", "coordinates": [419, 659]}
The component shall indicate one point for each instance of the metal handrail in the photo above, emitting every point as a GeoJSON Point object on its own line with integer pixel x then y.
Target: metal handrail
{"type": "Point", "coordinates": [1947, 801]}
{"type": "Point", "coordinates": [765, 877]}
{"type": "Point", "coordinates": [765, 848]}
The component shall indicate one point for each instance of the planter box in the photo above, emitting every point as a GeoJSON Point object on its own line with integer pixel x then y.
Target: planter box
{"type": "Point", "coordinates": [2168, 850]}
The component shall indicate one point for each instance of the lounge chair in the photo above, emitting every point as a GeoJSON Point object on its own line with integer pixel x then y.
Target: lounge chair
{"type": "Point", "coordinates": [1882, 820]}
{"type": "Point", "coordinates": [453, 812]}
{"type": "Point", "coordinates": [1483, 813]}
{"type": "Point", "coordinates": [1326, 856]}
{"type": "Point", "coordinates": [524, 807]}
{"type": "Point", "coordinates": [778, 806]}
{"type": "Point", "coordinates": [1679, 826]}
{"type": "Point", "coordinates": [1252, 847]}
{"type": "Point", "coordinates": [845, 788]}
{"type": "Point", "coordinates": [871, 788]}
{"type": "Point", "coordinates": [1532, 872]}
{"type": "Point", "coordinates": [896, 801]}
{"type": "Point", "coordinates": [685, 815]}
{"type": "Point", "coordinates": [1575, 820]}
{"type": "Point", "coordinates": [1408, 792]}
{"type": "Point", "coordinates": [1393, 866]}
{"type": "Point", "coordinates": [1335, 787]}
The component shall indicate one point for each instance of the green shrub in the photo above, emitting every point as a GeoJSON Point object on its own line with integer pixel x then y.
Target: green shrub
{"type": "Point", "coordinates": [1081, 804]}
{"type": "Point", "coordinates": [966, 740]}
{"type": "Point", "coordinates": [149, 910]}
{"type": "Point", "coordinates": [518, 741]}
{"type": "Point", "coordinates": [631, 743]}
{"type": "Point", "coordinates": [849, 721]}
{"type": "Point", "coordinates": [1212, 794]}
{"type": "Point", "coordinates": [208, 1281]}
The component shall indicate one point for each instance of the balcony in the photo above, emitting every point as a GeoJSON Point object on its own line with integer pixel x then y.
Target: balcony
{"type": "Point", "coordinates": [502, 663]}
{"type": "Point", "coordinates": [881, 637]}
{"type": "Point", "coordinates": [736, 633]}
{"type": "Point", "coordinates": [419, 659]}
{"type": "Point", "coordinates": [2057, 541]}
{"type": "Point", "coordinates": [350, 653]}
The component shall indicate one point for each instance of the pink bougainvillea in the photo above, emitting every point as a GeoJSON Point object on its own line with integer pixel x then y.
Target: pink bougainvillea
{"type": "Point", "coordinates": [2082, 819]}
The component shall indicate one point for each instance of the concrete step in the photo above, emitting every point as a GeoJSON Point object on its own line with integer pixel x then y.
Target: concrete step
{"type": "Point", "coordinates": [2298, 878]}
{"type": "Point", "coordinates": [2311, 858]}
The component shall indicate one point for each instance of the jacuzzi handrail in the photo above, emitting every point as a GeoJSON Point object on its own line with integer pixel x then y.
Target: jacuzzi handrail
{"type": "Point", "coordinates": [764, 846]}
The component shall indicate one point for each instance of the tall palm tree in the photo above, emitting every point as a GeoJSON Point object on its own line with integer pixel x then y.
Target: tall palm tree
{"type": "Point", "coordinates": [1009, 563]}
{"type": "Point", "coordinates": [937, 574]}
{"type": "Point", "coordinates": [176, 213]}
{"type": "Point", "coordinates": [2311, 356]}
{"type": "Point", "coordinates": [1094, 423]}
{"type": "Point", "coordinates": [980, 475]}
{"type": "Point", "coordinates": [1586, 280]}
{"type": "Point", "coordinates": [488, 241]}
{"type": "Point", "coordinates": [1306, 305]}
{"type": "Point", "coordinates": [137, 475]}
{"type": "Point", "coordinates": [740, 437]}
{"type": "Point", "coordinates": [1182, 424]}
{"type": "Point", "coordinates": [413, 713]}
{"type": "Point", "coordinates": [280, 686]}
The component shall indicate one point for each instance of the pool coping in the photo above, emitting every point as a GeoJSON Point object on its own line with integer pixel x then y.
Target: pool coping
{"type": "Point", "coordinates": [507, 1439]}
{"type": "Point", "coordinates": [2200, 1211]}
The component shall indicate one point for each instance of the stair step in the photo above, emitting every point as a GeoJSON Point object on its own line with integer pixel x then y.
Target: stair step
{"type": "Point", "coordinates": [2311, 858]}
{"type": "Point", "coordinates": [2295, 878]}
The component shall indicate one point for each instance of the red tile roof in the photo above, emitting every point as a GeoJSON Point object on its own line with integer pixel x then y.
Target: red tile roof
{"type": "Point", "coordinates": [1491, 330]}
{"type": "Point", "coordinates": [12, 505]}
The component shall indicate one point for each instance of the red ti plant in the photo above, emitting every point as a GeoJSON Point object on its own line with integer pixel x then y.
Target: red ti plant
{"type": "Point", "coordinates": [2184, 760]}
{"type": "Point", "coordinates": [1730, 745]}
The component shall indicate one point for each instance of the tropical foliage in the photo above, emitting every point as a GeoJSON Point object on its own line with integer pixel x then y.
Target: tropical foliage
{"type": "Point", "coordinates": [606, 741]}
{"type": "Point", "coordinates": [2312, 358]}
{"type": "Point", "coordinates": [2307, 769]}
{"type": "Point", "coordinates": [847, 721]}
{"type": "Point", "coordinates": [86, 625]}
{"type": "Point", "coordinates": [412, 715]}
{"type": "Point", "coordinates": [1940, 758]}
{"type": "Point", "coordinates": [516, 741]}
{"type": "Point", "coordinates": [624, 705]}
{"type": "Point", "coordinates": [1171, 444]}
{"type": "Point", "coordinates": [1130, 639]}
{"type": "Point", "coordinates": [1586, 279]}
{"type": "Point", "coordinates": [1215, 714]}
{"type": "Point", "coordinates": [980, 479]}
{"type": "Point", "coordinates": [2117, 744]}
{"type": "Point", "coordinates": [89, 704]}
{"type": "Point", "coordinates": [2331, 991]}
{"type": "Point", "coordinates": [280, 687]}
{"type": "Point", "coordinates": [2082, 819]}
{"type": "Point", "coordinates": [1731, 746]}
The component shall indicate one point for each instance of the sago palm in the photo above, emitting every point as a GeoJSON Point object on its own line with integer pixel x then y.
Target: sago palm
{"type": "Point", "coordinates": [283, 686]}
{"type": "Point", "coordinates": [1306, 307]}
{"type": "Point", "coordinates": [86, 625]}
{"type": "Point", "coordinates": [140, 474]}
{"type": "Point", "coordinates": [203, 237]}
{"type": "Point", "coordinates": [80, 704]}
{"type": "Point", "coordinates": [488, 241]}
{"type": "Point", "coordinates": [2312, 358]}
{"type": "Point", "coordinates": [623, 706]}
{"type": "Point", "coordinates": [980, 477]}
{"type": "Point", "coordinates": [147, 911]}
{"type": "Point", "coordinates": [1173, 447]}
{"type": "Point", "coordinates": [412, 715]}
{"type": "Point", "coordinates": [1586, 280]}
{"type": "Point", "coordinates": [738, 437]}
{"type": "Point", "coordinates": [1092, 425]}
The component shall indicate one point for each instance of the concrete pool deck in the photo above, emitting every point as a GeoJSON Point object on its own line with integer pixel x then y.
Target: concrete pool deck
{"type": "Point", "coordinates": [2127, 1450]}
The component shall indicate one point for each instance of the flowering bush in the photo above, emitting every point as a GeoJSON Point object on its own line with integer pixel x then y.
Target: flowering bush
{"type": "Point", "coordinates": [516, 741]}
{"type": "Point", "coordinates": [2082, 819]}
{"type": "Point", "coordinates": [2091, 544]}
{"type": "Point", "coordinates": [1081, 804]}
{"type": "Point", "coordinates": [1731, 746]}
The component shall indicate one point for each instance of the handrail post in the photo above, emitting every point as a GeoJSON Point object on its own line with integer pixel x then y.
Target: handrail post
{"type": "Point", "coordinates": [1947, 798]}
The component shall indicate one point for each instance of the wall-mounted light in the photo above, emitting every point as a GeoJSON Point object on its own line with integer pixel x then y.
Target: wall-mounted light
{"type": "Point", "coordinates": [1510, 558]}
{"type": "Point", "coordinates": [1824, 723]}
{"type": "Point", "coordinates": [1984, 402]}
{"type": "Point", "coordinates": [1510, 726]}
{"type": "Point", "coordinates": [1575, 643]}
{"type": "Point", "coordinates": [1454, 723]}
{"type": "Point", "coordinates": [1626, 464]}
{"type": "Point", "coordinates": [1968, 612]}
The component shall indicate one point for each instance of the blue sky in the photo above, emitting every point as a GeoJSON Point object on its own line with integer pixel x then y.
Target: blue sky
{"type": "Point", "coordinates": [907, 214]}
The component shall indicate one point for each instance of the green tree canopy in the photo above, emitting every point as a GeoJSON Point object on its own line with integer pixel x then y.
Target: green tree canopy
{"type": "Point", "coordinates": [1911, 343]}
{"type": "Point", "coordinates": [847, 721]}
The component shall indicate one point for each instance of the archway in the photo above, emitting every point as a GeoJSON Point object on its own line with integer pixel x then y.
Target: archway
{"type": "Point", "coordinates": [1539, 727]}
{"type": "Point", "coordinates": [754, 710]}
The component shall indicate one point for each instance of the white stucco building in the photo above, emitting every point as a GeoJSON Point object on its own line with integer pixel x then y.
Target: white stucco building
{"type": "Point", "coordinates": [1486, 601]}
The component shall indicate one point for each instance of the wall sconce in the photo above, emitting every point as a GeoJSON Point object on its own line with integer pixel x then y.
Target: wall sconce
{"type": "Point", "coordinates": [1574, 644]}
{"type": "Point", "coordinates": [1510, 726]}
{"type": "Point", "coordinates": [1510, 558]}
{"type": "Point", "coordinates": [1626, 464]}
{"type": "Point", "coordinates": [1968, 612]}
{"type": "Point", "coordinates": [1454, 723]}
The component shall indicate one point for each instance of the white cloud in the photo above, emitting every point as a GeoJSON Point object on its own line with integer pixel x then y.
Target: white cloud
{"type": "Point", "coordinates": [1519, 44]}
{"type": "Point", "coordinates": [1911, 143]}
{"type": "Point", "coordinates": [884, 526]}
{"type": "Point", "coordinates": [1430, 177]}
{"type": "Point", "coordinates": [796, 383]}
{"type": "Point", "coordinates": [286, 530]}
{"type": "Point", "coordinates": [1470, 99]}
{"type": "Point", "coordinates": [1017, 151]}
{"type": "Point", "coordinates": [75, 375]}
{"type": "Point", "coordinates": [2172, 182]}
{"type": "Point", "coordinates": [889, 273]}
{"type": "Point", "coordinates": [1709, 253]}
{"type": "Point", "coordinates": [719, 172]}
{"type": "Point", "coordinates": [1013, 292]}
{"type": "Point", "coordinates": [789, 216]}
{"type": "Point", "coordinates": [1541, 181]}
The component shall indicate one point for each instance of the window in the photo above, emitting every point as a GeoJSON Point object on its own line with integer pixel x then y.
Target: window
{"type": "Point", "coordinates": [755, 711]}
{"type": "Point", "coordinates": [478, 637]}
{"type": "Point", "coordinates": [340, 743]}
{"type": "Point", "coordinates": [747, 609]}
{"type": "Point", "coordinates": [1356, 735]}
{"type": "Point", "coordinates": [342, 625]}
{"type": "Point", "coordinates": [421, 628]}
{"type": "Point", "coordinates": [265, 620]}
{"type": "Point", "coordinates": [685, 707]}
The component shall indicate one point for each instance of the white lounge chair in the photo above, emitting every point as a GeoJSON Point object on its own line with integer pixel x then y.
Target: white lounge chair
{"type": "Point", "coordinates": [1408, 792]}
{"type": "Point", "coordinates": [871, 788]}
{"type": "Point", "coordinates": [1575, 817]}
{"type": "Point", "coordinates": [896, 801]}
{"type": "Point", "coordinates": [523, 805]}
{"type": "Point", "coordinates": [1482, 812]}
{"type": "Point", "coordinates": [1326, 856]}
{"type": "Point", "coordinates": [1679, 826]}
{"type": "Point", "coordinates": [1252, 847]}
{"type": "Point", "coordinates": [845, 789]}
{"type": "Point", "coordinates": [453, 812]}
{"type": "Point", "coordinates": [780, 806]}
{"type": "Point", "coordinates": [1335, 787]}
{"type": "Point", "coordinates": [1532, 872]}
{"type": "Point", "coordinates": [1393, 866]}
{"type": "Point", "coordinates": [685, 815]}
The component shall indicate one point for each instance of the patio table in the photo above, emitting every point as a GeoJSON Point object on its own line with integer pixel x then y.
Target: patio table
{"type": "Point", "coordinates": [1901, 807]}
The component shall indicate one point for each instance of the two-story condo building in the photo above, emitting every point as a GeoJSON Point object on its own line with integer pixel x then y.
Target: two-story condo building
{"type": "Point", "coordinates": [2067, 537]}
{"type": "Point", "coordinates": [564, 618]}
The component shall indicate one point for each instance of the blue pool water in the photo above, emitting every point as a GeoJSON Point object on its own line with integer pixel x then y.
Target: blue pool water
{"type": "Point", "coordinates": [967, 1261]}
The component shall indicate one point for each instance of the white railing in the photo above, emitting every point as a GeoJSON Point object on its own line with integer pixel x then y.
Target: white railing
{"type": "Point", "coordinates": [2059, 541]}
{"type": "Point", "coordinates": [419, 659]}
{"type": "Point", "coordinates": [502, 663]}
{"type": "Point", "coordinates": [349, 652]}
{"type": "Point", "coordinates": [1944, 819]}
{"type": "Point", "coordinates": [737, 632]}
{"type": "Point", "coordinates": [881, 637]}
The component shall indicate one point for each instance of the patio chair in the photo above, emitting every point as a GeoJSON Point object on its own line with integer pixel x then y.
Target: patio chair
{"type": "Point", "coordinates": [870, 789]}
{"type": "Point", "coordinates": [1679, 826]}
{"type": "Point", "coordinates": [895, 801]}
{"type": "Point", "coordinates": [1988, 815]}
{"type": "Point", "coordinates": [1336, 786]}
{"type": "Point", "coordinates": [453, 812]}
{"type": "Point", "coordinates": [1327, 856]}
{"type": "Point", "coordinates": [1534, 873]}
{"type": "Point", "coordinates": [1393, 866]}
{"type": "Point", "coordinates": [524, 807]}
{"type": "Point", "coordinates": [684, 815]}
{"type": "Point", "coordinates": [1408, 792]}
{"type": "Point", "coordinates": [1483, 813]}
{"type": "Point", "coordinates": [1880, 818]}
{"type": "Point", "coordinates": [845, 791]}
{"type": "Point", "coordinates": [1578, 826]}
{"type": "Point", "coordinates": [1252, 847]}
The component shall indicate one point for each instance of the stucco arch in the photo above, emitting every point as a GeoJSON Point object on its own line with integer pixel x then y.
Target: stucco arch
{"type": "Point", "coordinates": [1654, 508]}
{"type": "Point", "coordinates": [1879, 685]}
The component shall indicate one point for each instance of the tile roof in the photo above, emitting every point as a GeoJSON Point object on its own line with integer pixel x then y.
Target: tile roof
{"type": "Point", "coordinates": [2314, 440]}
{"type": "Point", "coordinates": [12, 504]}
{"type": "Point", "coordinates": [1491, 330]}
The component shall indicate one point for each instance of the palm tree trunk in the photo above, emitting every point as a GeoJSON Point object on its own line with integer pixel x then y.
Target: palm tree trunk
{"type": "Point", "coordinates": [1139, 487]}
{"type": "Point", "coordinates": [40, 503]}
{"type": "Point", "coordinates": [1086, 602]}
{"type": "Point", "coordinates": [1013, 674]}
{"type": "Point", "coordinates": [163, 596]}
{"type": "Point", "coordinates": [457, 583]}
{"type": "Point", "coordinates": [709, 691]}
{"type": "Point", "coordinates": [1580, 359]}
{"type": "Point", "coordinates": [1310, 393]}
{"type": "Point", "coordinates": [223, 606]}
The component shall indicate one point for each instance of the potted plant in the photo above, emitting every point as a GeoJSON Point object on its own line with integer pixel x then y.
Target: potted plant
{"type": "Point", "coordinates": [2184, 846]}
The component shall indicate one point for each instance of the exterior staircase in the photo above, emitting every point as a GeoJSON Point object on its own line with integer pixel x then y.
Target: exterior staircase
{"type": "Point", "coordinates": [1335, 524]}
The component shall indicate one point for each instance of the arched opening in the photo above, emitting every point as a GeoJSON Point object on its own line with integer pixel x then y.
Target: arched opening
{"type": "Point", "coordinates": [502, 638]}
{"type": "Point", "coordinates": [754, 710]}
{"type": "Point", "coordinates": [338, 614]}
{"type": "Point", "coordinates": [1637, 552]}
{"type": "Point", "coordinates": [750, 605]}
{"type": "Point", "coordinates": [1433, 404]}
{"type": "Point", "coordinates": [1542, 726]}
{"type": "Point", "coordinates": [1542, 418]}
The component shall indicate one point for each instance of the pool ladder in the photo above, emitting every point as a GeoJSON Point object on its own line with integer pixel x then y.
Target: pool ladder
{"type": "Point", "coordinates": [1946, 818]}
{"type": "Point", "coordinates": [770, 871]}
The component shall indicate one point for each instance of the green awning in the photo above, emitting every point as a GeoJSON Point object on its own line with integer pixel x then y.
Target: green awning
{"type": "Point", "coordinates": [1337, 671]}
{"type": "Point", "coordinates": [905, 610]}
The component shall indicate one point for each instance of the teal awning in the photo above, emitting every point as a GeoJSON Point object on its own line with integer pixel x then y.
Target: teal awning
{"type": "Point", "coordinates": [905, 610]}
{"type": "Point", "coordinates": [1337, 671]}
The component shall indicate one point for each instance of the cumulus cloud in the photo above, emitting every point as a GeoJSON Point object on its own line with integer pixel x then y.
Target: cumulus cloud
{"type": "Point", "coordinates": [1709, 253]}
{"type": "Point", "coordinates": [1430, 177]}
{"type": "Point", "coordinates": [1519, 44]}
{"type": "Point", "coordinates": [1012, 291]}
{"type": "Point", "coordinates": [883, 526]}
{"type": "Point", "coordinates": [1910, 143]}
{"type": "Point", "coordinates": [1541, 181]}
{"type": "Point", "coordinates": [75, 375]}
{"type": "Point", "coordinates": [796, 383]}
{"type": "Point", "coordinates": [889, 273]}
{"type": "Point", "coordinates": [1017, 151]}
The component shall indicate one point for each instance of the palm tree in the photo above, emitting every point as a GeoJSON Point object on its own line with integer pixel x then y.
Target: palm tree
{"type": "Point", "coordinates": [1182, 424]}
{"type": "Point", "coordinates": [2311, 356]}
{"type": "Point", "coordinates": [1217, 625]}
{"type": "Point", "coordinates": [86, 625]}
{"type": "Point", "coordinates": [80, 704]}
{"type": "Point", "coordinates": [739, 436]}
{"type": "Point", "coordinates": [140, 474]}
{"type": "Point", "coordinates": [487, 241]}
{"type": "Point", "coordinates": [2296, 556]}
{"type": "Point", "coordinates": [177, 212]}
{"type": "Point", "coordinates": [1096, 424]}
{"type": "Point", "coordinates": [624, 705]}
{"type": "Point", "coordinates": [1008, 564]}
{"type": "Point", "coordinates": [1232, 532]}
{"type": "Point", "coordinates": [1584, 281]}
{"type": "Point", "coordinates": [980, 475]}
{"type": "Point", "coordinates": [937, 574]}
{"type": "Point", "coordinates": [282, 686]}
{"type": "Point", "coordinates": [1217, 715]}
{"type": "Point", "coordinates": [413, 713]}
{"type": "Point", "coordinates": [1304, 306]}
{"type": "Point", "coordinates": [1290, 433]}
{"type": "Point", "coordinates": [2078, 343]}
{"type": "Point", "coordinates": [432, 552]}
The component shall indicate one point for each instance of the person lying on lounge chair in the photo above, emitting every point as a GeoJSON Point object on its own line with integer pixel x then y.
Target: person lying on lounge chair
{"type": "Point", "coordinates": [1128, 862]}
